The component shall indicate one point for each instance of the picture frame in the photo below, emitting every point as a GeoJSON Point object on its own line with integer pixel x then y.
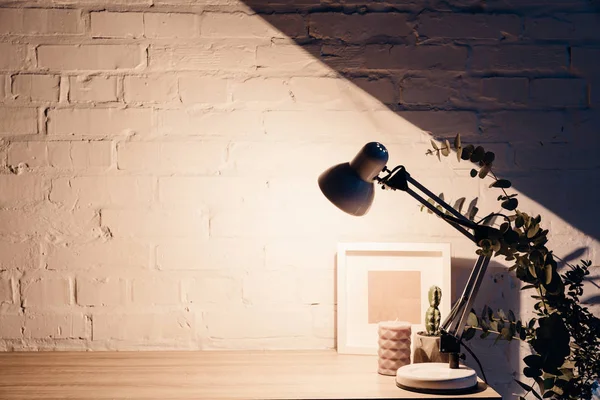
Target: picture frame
{"type": "Point", "coordinates": [386, 281]}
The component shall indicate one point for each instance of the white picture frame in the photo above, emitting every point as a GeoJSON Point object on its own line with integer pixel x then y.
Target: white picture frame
{"type": "Point", "coordinates": [363, 277]}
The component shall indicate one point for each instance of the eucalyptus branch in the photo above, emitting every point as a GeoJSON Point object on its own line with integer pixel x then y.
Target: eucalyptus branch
{"type": "Point", "coordinates": [564, 336]}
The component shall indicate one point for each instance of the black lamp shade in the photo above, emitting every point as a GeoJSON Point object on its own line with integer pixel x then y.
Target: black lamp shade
{"type": "Point", "coordinates": [350, 186]}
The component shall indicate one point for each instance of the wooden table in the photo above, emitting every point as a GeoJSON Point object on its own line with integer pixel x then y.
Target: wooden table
{"type": "Point", "coordinates": [200, 375]}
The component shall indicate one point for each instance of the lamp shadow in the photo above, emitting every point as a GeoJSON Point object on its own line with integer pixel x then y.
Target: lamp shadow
{"type": "Point", "coordinates": [487, 81]}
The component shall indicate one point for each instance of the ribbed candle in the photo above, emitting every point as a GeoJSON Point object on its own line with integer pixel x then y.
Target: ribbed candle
{"type": "Point", "coordinates": [394, 346]}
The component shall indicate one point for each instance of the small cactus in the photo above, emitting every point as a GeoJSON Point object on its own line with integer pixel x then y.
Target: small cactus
{"type": "Point", "coordinates": [432, 315]}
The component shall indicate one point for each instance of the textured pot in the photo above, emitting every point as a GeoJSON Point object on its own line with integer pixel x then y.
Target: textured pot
{"type": "Point", "coordinates": [427, 349]}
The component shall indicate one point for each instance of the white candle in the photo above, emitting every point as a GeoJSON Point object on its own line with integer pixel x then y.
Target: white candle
{"type": "Point", "coordinates": [394, 346]}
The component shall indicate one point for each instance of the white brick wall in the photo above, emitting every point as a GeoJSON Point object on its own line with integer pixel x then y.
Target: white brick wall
{"type": "Point", "coordinates": [158, 164]}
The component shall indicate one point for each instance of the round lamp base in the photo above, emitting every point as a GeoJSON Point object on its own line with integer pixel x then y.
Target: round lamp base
{"type": "Point", "coordinates": [436, 378]}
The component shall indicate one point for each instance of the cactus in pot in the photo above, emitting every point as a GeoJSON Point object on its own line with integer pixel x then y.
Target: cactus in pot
{"type": "Point", "coordinates": [427, 344]}
{"type": "Point", "coordinates": [432, 315]}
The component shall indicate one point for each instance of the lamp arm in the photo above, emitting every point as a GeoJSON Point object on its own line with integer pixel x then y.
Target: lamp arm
{"type": "Point", "coordinates": [454, 324]}
{"type": "Point", "coordinates": [398, 179]}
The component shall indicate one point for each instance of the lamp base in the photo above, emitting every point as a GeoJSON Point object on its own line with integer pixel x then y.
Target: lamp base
{"type": "Point", "coordinates": [436, 378]}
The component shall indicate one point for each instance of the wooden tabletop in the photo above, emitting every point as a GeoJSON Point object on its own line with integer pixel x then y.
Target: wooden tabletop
{"type": "Point", "coordinates": [200, 375]}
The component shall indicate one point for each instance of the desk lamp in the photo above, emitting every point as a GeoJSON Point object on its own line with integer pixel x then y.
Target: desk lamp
{"type": "Point", "coordinates": [351, 186]}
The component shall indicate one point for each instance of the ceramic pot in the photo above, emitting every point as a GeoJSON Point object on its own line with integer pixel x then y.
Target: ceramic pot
{"type": "Point", "coordinates": [427, 349]}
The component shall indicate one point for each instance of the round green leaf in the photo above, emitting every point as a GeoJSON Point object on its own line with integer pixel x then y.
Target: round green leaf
{"type": "Point", "coordinates": [478, 154]}
{"type": "Point", "coordinates": [488, 158]}
{"type": "Point", "coordinates": [467, 151]}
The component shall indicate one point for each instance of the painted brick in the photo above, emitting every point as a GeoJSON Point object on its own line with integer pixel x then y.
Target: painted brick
{"type": "Point", "coordinates": [382, 89]}
{"type": "Point", "coordinates": [506, 90]}
{"type": "Point", "coordinates": [262, 90]}
{"type": "Point", "coordinates": [213, 192]}
{"type": "Point", "coordinates": [10, 326]}
{"type": "Point", "coordinates": [20, 190]}
{"type": "Point", "coordinates": [36, 87]}
{"type": "Point", "coordinates": [427, 91]}
{"type": "Point", "coordinates": [210, 56]}
{"type": "Point", "coordinates": [357, 127]}
{"type": "Point", "coordinates": [444, 123]}
{"type": "Point", "coordinates": [99, 122]}
{"type": "Point", "coordinates": [283, 57]}
{"type": "Point", "coordinates": [290, 25]}
{"type": "Point", "coordinates": [358, 27]}
{"type": "Point", "coordinates": [44, 219]}
{"type": "Point", "coordinates": [221, 290]}
{"type": "Point", "coordinates": [18, 121]}
{"type": "Point", "coordinates": [37, 21]}
{"type": "Point", "coordinates": [170, 25]}
{"type": "Point", "coordinates": [155, 290]}
{"type": "Point", "coordinates": [469, 26]}
{"type": "Point", "coordinates": [196, 89]}
{"type": "Point", "coordinates": [89, 57]}
{"type": "Point", "coordinates": [210, 123]}
{"type": "Point", "coordinates": [55, 326]}
{"type": "Point", "coordinates": [46, 291]}
{"type": "Point", "coordinates": [117, 24]}
{"type": "Point", "coordinates": [38, 154]}
{"type": "Point", "coordinates": [415, 57]}
{"type": "Point", "coordinates": [93, 89]}
{"type": "Point", "coordinates": [343, 56]}
{"type": "Point", "coordinates": [165, 223]}
{"type": "Point", "coordinates": [114, 254]}
{"type": "Point", "coordinates": [320, 90]}
{"type": "Point", "coordinates": [197, 157]}
{"type": "Point", "coordinates": [585, 61]}
{"type": "Point", "coordinates": [213, 254]}
{"type": "Point", "coordinates": [283, 288]}
{"type": "Point", "coordinates": [2, 87]}
{"type": "Point", "coordinates": [80, 155]}
{"type": "Point", "coordinates": [244, 25]}
{"type": "Point", "coordinates": [101, 292]}
{"type": "Point", "coordinates": [102, 191]}
{"type": "Point", "coordinates": [518, 126]}
{"type": "Point", "coordinates": [141, 327]}
{"type": "Point", "coordinates": [519, 58]}
{"type": "Point", "coordinates": [20, 255]}
{"type": "Point", "coordinates": [563, 26]}
{"type": "Point", "coordinates": [538, 5]}
{"type": "Point", "coordinates": [259, 322]}
{"type": "Point", "coordinates": [14, 56]}
{"type": "Point", "coordinates": [150, 89]}
{"type": "Point", "coordinates": [559, 92]}
{"type": "Point", "coordinates": [555, 156]}
{"type": "Point", "coordinates": [288, 254]}
{"type": "Point", "coordinates": [6, 291]}
{"type": "Point", "coordinates": [314, 287]}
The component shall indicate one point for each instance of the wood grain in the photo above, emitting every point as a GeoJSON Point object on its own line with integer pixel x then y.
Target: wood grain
{"type": "Point", "coordinates": [199, 375]}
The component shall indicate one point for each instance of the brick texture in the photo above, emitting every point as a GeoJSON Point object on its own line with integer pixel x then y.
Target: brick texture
{"type": "Point", "coordinates": [97, 89]}
{"type": "Point", "coordinates": [36, 87]}
{"type": "Point", "coordinates": [18, 121]}
{"type": "Point", "coordinates": [89, 57]}
{"type": "Point", "coordinates": [14, 56]}
{"type": "Point", "coordinates": [158, 165]}
{"type": "Point", "coordinates": [40, 21]}
{"type": "Point", "coordinates": [99, 122]}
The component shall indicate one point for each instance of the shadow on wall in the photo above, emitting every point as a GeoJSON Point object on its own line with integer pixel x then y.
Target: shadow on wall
{"type": "Point", "coordinates": [518, 75]}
